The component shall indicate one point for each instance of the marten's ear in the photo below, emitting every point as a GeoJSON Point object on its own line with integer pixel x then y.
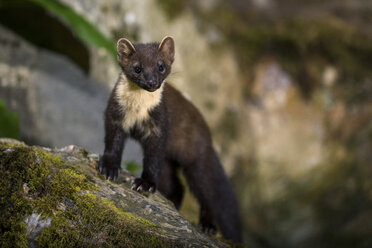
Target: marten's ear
{"type": "Point", "coordinates": [124, 48]}
{"type": "Point", "coordinates": [166, 47]}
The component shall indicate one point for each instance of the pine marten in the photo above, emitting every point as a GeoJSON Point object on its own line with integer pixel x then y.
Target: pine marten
{"type": "Point", "coordinates": [173, 135]}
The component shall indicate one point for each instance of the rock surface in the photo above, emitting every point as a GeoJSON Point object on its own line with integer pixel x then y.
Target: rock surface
{"type": "Point", "coordinates": [55, 197]}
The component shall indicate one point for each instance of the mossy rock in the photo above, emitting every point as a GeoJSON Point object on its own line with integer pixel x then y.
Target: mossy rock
{"type": "Point", "coordinates": [55, 198]}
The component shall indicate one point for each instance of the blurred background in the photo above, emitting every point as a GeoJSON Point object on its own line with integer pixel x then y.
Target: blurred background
{"type": "Point", "coordinates": [284, 85]}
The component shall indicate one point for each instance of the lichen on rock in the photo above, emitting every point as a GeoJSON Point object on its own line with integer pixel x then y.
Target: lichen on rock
{"type": "Point", "coordinates": [54, 198]}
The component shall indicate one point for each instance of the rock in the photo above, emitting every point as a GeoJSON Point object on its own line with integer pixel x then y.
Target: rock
{"type": "Point", "coordinates": [35, 224]}
{"type": "Point", "coordinates": [67, 203]}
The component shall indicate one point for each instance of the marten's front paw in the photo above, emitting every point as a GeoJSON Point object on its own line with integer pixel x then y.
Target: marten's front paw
{"type": "Point", "coordinates": [109, 173]}
{"type": "Point", "coordinates": [140, 184]}
{"type": "Point", "coordinates": [206, 222]}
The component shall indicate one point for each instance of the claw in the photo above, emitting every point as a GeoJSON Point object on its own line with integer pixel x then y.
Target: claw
{"type": "Point", "coordinates": [152, 189]}
{"type": "Point", "coordinates": [109, 172]}
{"type": "Point", "coordinates": [140, 184]}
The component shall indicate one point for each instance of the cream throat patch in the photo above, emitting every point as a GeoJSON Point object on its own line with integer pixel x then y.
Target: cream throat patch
{"type": "Point", "coordinates": [136, 103]}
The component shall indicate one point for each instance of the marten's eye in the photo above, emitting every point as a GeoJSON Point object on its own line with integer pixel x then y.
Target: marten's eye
{"type": "Point", "coordinates": [161, 68]}
{"type": "Point", "coordinates": [137, 69]}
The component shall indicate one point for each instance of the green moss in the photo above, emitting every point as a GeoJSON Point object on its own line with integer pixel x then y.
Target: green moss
{"type": "Point", "coordinates": [33, 180]}
{"type": "Point", "coordinates": [126, 215]}
{"type": "Point", "coordinates": [23, 172]}
{"type": "Point", "coordinates": [64, 184]}
{"type": "Point", "coordinates": [91, 221]}
{"type": "Point", "coordinates": [9, 124]}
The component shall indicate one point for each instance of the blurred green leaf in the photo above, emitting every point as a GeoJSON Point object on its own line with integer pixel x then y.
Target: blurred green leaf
{"type": "Point", "coordinates": [132, 167]}
{"type": "Point", "coordinates": [8, 123]}
{"type": "Point", "coordinates": [83, 29]}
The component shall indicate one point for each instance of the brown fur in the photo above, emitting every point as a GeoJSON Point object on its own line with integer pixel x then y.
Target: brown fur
{"type": "Point", "coordinates": [173, 135]}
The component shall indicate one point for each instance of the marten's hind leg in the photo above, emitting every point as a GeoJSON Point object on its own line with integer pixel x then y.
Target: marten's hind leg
{"type": "Point", "coordinates": [169, 184]}
{"type": "Point", "coordinates": [197, 176]}
{"type": "Point", "coordinates": [208, 182]}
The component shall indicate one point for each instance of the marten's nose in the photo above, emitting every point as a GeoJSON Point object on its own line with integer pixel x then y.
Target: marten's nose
{"type": "Point", "coordinates": [151, 83]}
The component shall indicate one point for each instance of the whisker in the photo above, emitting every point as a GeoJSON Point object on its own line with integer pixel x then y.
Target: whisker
{"type": "Point", "coordinates": [174, 74]}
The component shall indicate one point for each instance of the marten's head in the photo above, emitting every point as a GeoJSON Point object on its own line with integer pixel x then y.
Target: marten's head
{"type": "Point", "coordinates": [146, 65]}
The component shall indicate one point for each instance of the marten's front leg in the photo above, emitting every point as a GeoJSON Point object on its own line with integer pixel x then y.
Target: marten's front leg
{"type": "Point", "coordinates": [154, 154]}
{"type": "Point", "coordinates": [109, 163]}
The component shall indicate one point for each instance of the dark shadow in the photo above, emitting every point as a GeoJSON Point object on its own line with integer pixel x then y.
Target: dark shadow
{"type": "Point", "coordinates": [44, 30]}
